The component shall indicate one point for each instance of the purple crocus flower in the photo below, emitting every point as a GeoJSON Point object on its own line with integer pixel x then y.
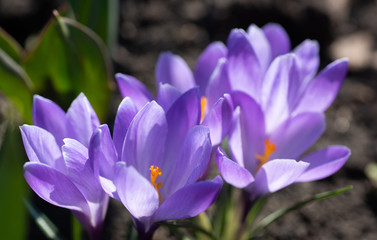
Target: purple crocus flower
{"type": "Point", "coordinates": [60, 170]}
{"type": "Point", "coordinates": [174, 77]}
{"type": "Point", "coordinates": [279, 111]}
{"type": "Point", "coordinates": [154, 161]}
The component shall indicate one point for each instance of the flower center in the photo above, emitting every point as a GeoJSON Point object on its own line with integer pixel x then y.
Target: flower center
{"type": "Point", "coordinates": [203, 106]}
{"type": "Point", "coordinates": [155, 172]}
{"type": "Point", "coordinates": [269, 149]}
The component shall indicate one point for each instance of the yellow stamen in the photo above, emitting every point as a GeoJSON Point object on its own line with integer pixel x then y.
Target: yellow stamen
{"type": "Point", "coordinates": [269, 149]}
{"type": "Point", "coordinates": [155, 172]}
{"type": "Point", "coordinates": [203, 106]}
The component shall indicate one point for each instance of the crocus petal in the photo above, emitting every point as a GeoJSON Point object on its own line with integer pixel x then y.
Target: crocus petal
{"type": "Point", "coordinates": [244, 68]}
{"type": "Point", "coordinates": [144, 139]}
{"type": "Point", "coordinates": [80, 172]}
{"type": "Point", "coordinates": [167, 94]}
{"type": "Point", "coordinates": [173, 69]}
{"type": "Point", "coordinates": [278, 39]}
{"type": "Point", "coordinates": [324, 163]}
{"type": "Point", "coordinates": [250, 135]}
{"type": "Point", "coordinates": [75, 156]}
{"type": "Point", "coordinates": [260, 45]}
{"type": "Point", "coordinates": [218, 84]}
{"type": "Point", "coordinates": [322, 90]}
{"type": "Point", "coordinates": [189, 201]}
{"type": "Point", "coordinates": [193, 160]}
{"type": "Point", "coordinates": [207, 62]}
{"type": "Point", "coordinates": [133, 88]}
{"type": "Point", "coordinates": [218, 119]}
{"type": "Point", "coordinates": [308, 60]}
{"type": "Point", "coordinates": [80, 169]}
{"type": "Point", "coordinates": [41, 146]}
{"type": "Point", "coordinates": [232, 172]}
{"type": "Point", "coordinates": [293, 137]}
{"type": "Point", "coordinates": [181, 117]}
{"type": "Point", "coordinates": [49, 116]}
{"type": "Point", "coordinates": [54, 187]}
{"type": "Point", "coordinates": [279, 90]}
{"type": "Point", "coordinates": [126, 112]}
{"type": "Point", "coordinates": [136, 192]}
{"type": "Point", "coordinates": [104, 156]}
{"type": "Point", "coordinates": [81, 120]}
{"type": "Point", "coordinates": [277, 174]}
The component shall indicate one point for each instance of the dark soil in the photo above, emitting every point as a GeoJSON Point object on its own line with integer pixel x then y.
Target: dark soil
{"type": "Point", "coordinates": [186, 27]}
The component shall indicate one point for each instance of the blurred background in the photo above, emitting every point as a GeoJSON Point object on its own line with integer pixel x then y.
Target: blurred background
{"type": "Point", "coordinates": [131, 36]}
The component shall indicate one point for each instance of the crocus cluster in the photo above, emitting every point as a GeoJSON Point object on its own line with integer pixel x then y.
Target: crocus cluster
{"type": "Point", "coordinates": [279, 105]}
{"type": "Point", "coordinates": [153, 168]}
{"type": "Point", "coordinates": [60, 170]}
{"type": "Point", "coordinates": [268, 99]}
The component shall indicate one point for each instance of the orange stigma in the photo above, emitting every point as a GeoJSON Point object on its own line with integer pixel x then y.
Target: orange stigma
{"type": "Point", "coordinates": [155, 172]}
{"type": "Point", "coordinates": [203, 106]}
{"type": "Point", "coordinates": [269, 149]}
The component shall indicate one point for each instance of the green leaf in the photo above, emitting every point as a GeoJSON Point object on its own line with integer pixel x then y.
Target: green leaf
{"type": "Point", "coordinates": [187, 225]}
{"type": "Point", "coordinates": [48, 61]}
{"type": "Point", "coordinates": [100, 16]}
{"type": "Point", "coordinates": [255, 210]}
{"type": "Point", "coordinates": [43, 222]}
{"type": "Point", "coordinates": [205, 222]}
{"type": "Point", "coordinates": [132, 233]}
{"type": "Point", "coordinates": [10, 46]}
{"type": "Point", "coordinates": [74, 59]}
{"type": "Point", "coordinates": [13, 187]}
{"type": "Point", "coordinates": [16, 85]}
{"type": "Point", "coordinates": [280, 213]}
{"type": "Point", "coordinates": [223, 208]}
{"type": "Point", "coordinates": [76, 229]}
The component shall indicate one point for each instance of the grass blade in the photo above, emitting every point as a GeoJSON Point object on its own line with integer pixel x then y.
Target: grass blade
{"type": "Point", "coordinates": [43, 222]}
{"type": "Point", "coordinates": [280, 213]}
